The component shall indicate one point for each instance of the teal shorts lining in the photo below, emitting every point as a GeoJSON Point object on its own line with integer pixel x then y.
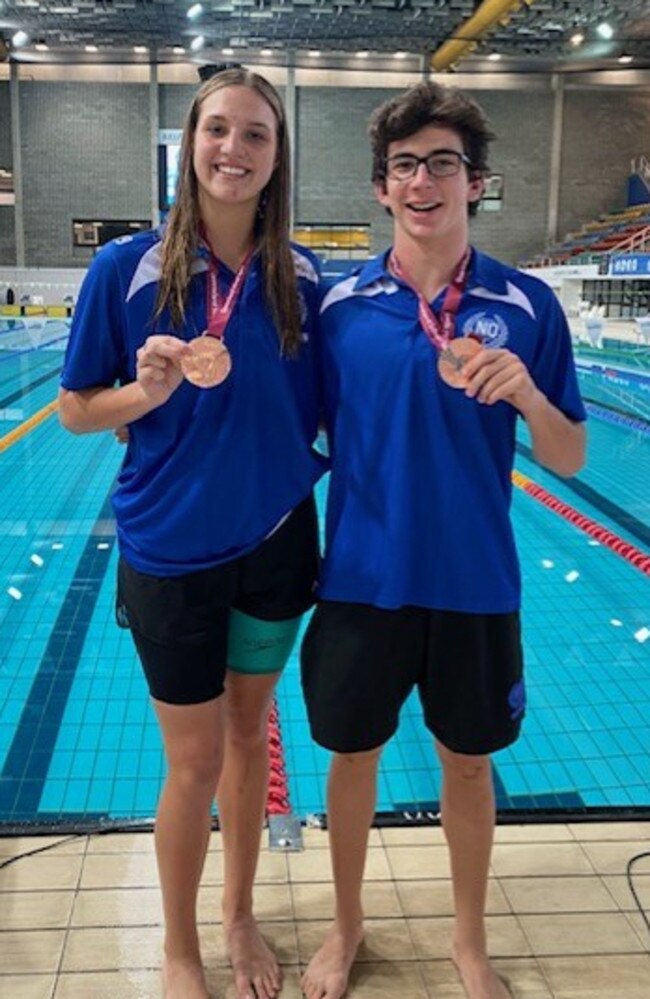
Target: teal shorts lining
{"type": "Point", "coordinates": [258, 647]}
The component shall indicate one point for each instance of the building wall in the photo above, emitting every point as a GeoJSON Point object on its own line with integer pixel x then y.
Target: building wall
{"type": "Point", "coordinates": [333, 161]}
{"type": "Point", "coordinates": [603, 131]}
{"type": "Point", "coordinates": [334, 165]}
{"type": "Point", "coordinates": [85, 149]}
{"type": "Point", "coordinates": [521, 152]}
{"type": "Point", "coordinates": [85, 152]}
{"type": "Point", "coordinates": [7, 231]}
{"type": "Point", "coordinates": [173, 104]}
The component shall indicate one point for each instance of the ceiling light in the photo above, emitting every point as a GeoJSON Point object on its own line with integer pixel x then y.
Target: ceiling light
{"type": "Point", "coordinates": [19, 39]}
{"type": "Point", "coordinates": [42, 47]}
{"type": "Point", "coordinates": [178, 50]}
{"type": "Point", "coordinates": [625, 59]}
{"type": "Point", "coordinates": [400, 55]}
{"type": "Point", "coordinates": [494, 56]}
{"type": "Point", "coordinates": [314, 53]}
{"type": "Point", "coordinates": [195, 11]}
{"type": "Point", "coordinates": [227, 51]}
{"type": "Point", "coordinates": [605, 30]}
{"type": "Point", "coordinates": [362, 55]}
{"type": "Point", "coordinates": [90, 48]}
{"type": "Point", "coordinates": [266, 52]}
{"type": "Point", "coordinates": [197, 43]}
{"type": "Point", "coordinates": [577, 38]}
{"type": "Point", "coordinates": [140, 49]}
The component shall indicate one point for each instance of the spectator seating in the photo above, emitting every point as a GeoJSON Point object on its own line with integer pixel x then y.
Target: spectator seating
{"type": "Point", "coordinates": [606, 234]}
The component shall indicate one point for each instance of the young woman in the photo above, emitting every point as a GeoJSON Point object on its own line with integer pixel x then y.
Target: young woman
{"type": "Point", "coordinates": [198, 338]}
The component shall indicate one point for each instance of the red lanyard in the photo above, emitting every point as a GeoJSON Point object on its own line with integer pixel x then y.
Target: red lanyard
{"type": "Point", "coordinates": [219, 313]}
{"type": "Point", "coordinates": [440, 330]}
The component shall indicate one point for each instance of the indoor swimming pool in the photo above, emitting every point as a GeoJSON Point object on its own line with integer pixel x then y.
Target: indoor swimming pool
{"type": "Point", "coordinates": [79, 745]}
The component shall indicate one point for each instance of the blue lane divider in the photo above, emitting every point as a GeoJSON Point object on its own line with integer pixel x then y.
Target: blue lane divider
{"type": "Point", "coordinates": [11, 355]}
{"type": "Point", "coordinates": [22, 392]}
{"type": "Point", "coordinates": [618, 418]}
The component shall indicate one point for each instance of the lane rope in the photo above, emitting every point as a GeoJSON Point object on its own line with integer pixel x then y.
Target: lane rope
{"type": "Point", "coordinates": [19, 432]}
{"type": "Point", "coordinates": [277, 802]}
{"type": "Point", "coordinates": [618, 419]}
{"type": "Point", "coordinates": [639, 559]}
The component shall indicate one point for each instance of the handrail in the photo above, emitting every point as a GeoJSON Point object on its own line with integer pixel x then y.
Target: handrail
{"type": "Point", "coordinates": [642, 167]}
{"type": "Point", "coordinates": [637, 241]}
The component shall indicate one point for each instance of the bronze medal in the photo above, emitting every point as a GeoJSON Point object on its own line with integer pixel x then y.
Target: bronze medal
{"type": "Point", "coordinates": [208, 362]}
{"type": "Point", "coordinates": [451, 360]}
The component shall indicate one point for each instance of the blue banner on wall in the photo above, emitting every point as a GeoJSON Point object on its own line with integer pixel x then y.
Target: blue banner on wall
{"type": "Point", "coordinates": [638, 190]}
{"type": "Point", "coordinates": [630, 265]}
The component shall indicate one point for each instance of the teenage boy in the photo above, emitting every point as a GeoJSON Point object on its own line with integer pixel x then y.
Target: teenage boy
{"type": "Point", "coordinates": [430, 354]}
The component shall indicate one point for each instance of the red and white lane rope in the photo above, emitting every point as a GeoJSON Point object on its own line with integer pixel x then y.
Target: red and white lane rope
{"type": "Point", "coordinates": [639, 559]}
{"type": "Point", "coordinates": [277, 802]}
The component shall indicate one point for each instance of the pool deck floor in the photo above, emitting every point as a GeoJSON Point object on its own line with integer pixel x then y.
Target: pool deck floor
{"type": "Point", "coordinates": [83, 920]}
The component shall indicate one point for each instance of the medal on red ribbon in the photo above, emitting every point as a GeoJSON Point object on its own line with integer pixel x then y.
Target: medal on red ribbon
{"type": "Point", "coordinates": [453, 352]}
{"type": "Point", "coordinates": [208, 362]}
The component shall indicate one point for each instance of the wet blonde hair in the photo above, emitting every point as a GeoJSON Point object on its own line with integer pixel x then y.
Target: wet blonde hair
{"type": "Point", "coordinates": [181, 235]}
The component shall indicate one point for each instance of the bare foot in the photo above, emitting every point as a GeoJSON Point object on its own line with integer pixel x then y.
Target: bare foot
{"type": "Point", "coordinates": [256, 970]}
{"type": "Point", "coordinates": [183, 978]}
{"type": "Point", "coordinates": [328, 971]}
{"type": "Point", "coordinates": [479, 978]}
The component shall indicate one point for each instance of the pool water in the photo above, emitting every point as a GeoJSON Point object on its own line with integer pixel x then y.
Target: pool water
{"type": "Point", "coordinates": [79, 743]}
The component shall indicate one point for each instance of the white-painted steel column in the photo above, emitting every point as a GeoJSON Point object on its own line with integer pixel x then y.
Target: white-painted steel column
{"type": "Point", "coordinates": [555, 165]}
{"type": "Point", "coordinates": [17, 165]}
{"type": "Point", "coordinates": [154, 123]}
{"type": "Point", "coordinates": [290, 104]}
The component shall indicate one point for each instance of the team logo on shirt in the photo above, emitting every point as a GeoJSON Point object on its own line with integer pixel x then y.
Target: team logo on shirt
{"type": "Point", "coordinates": [490, 328]}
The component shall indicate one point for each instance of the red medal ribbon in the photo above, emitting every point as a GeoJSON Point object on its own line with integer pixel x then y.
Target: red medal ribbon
{"type": "Point", "coordinates": [219, 313]}
{"type": "Point", "coordinates": [440, 330]}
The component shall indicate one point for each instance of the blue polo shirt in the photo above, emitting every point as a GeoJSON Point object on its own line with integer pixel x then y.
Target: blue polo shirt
{"type": "Point", "coordinates": [420, 493]}
{"type": "Point", "coordinates": [210, 473]}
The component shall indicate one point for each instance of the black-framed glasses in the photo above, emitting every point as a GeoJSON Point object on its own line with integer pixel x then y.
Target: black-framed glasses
{"type": "Point", "coordinates": [440, 163]}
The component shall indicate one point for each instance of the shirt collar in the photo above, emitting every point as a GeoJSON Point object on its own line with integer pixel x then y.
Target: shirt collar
{"type": "Point", "coordinates": [484, 272]}
{"type": "Point", "coordinates": [375, 270]}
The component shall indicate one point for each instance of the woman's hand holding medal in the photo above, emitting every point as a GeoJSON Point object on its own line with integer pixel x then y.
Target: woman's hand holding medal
{"type": "Point", "coordinates": [158, 367]}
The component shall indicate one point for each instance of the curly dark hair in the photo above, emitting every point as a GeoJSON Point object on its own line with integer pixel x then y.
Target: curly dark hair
{"type": "Point", "coordinates": [430, 104]}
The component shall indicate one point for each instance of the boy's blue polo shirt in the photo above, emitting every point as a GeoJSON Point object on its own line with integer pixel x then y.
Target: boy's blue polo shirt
{"type": "Point", "coordinates": [421, 487]}
{"type": "Point", "coordinates": [210, 473]}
